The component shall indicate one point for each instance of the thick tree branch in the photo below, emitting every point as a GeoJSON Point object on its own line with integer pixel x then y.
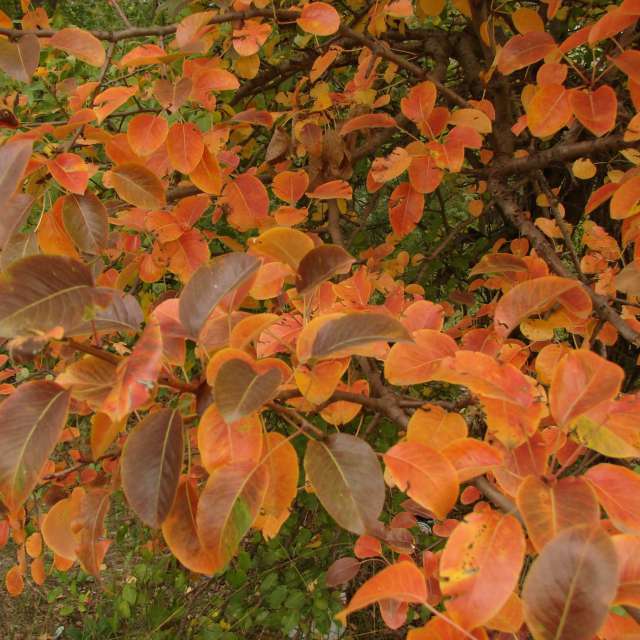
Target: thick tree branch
{"type": "Point", "coordinates": [561, 152]}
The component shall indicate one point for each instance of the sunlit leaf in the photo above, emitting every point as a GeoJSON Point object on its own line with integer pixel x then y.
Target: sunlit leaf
{"type": "Point", "coordinates": [523, 50]}
{"type": "Point", "coordinates": [539, 295]}
{"type": "Point", "coordinates": [368, 121]}
{"type": "Point", "coordinates": [618, 491]}
{"type": "Point", "coordinates": [548, 509]}
{"type": "Point", "coordinates": [146, 133]}
{"type": "Point", "coordinates": [425, 475]}
{"type": "Point", "coordinates": [70, 171]}
{"type": "Point", "coordinates": [80, 44]}
{"type": "Point", "coordinates": [435, 427]}
{"type": "Point", "coordinates": [480, 566]}
{"type": "Point", "coordinates": [581, 381]}
{"type": "Point", "coordinates": [416, 363]}
{"type": "Point", "coordinates": [185, 146]}
{"type": "Point", "coordinates": [596, 110]}
{"type": "Point", "coordinates": [284, 244]}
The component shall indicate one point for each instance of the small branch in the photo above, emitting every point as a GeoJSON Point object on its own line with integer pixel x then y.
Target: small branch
{"type": "Point", "coordinates": [293, 416]}
{"type": "Point", "coordinates": [121, 13]}
{"type": "Point", "coordinates": [58, 475]}
{"type": "Point", "coordinates": [94, 351]}
{"type": "Point", "coordinates": [498, 498]}
{"type": "Point", "coordinates": [566, 235]}
{"type": "Point", "coordinates": [333, 223]}
{"type": "Point", "coordinates": [561, 152]}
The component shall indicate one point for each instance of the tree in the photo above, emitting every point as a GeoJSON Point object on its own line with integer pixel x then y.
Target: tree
{"type": "Point", "coordinates": [236, 229]}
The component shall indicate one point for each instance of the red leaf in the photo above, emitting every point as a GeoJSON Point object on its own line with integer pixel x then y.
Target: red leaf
{"type": "Point", "coordinates": [136, 375]}
{"type": "Point", "coordinates": [70, 172]}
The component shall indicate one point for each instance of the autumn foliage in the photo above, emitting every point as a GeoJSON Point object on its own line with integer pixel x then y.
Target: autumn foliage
{"type": "Point", "coordinates": [190, 285]}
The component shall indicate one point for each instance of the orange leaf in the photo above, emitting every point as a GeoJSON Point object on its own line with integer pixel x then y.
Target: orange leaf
{"type": "Point", "coordinates": [33, 545]}
{"type": "Point", "coordinates": [281, 460]}
{"type": "Point", "coordinates": [79, 43]}
{"type": "Point", "coordinates": [433, 426]}
{"type": "Point", "coordinates": [185, 146]}
{"type": "Point", "coordinates": [220, 443]}
{"type": "Point", "coordinates": [38, 574]}
{"type": "Point", "coordinates": [368, 121]}
{"type": "Point", "coordinates": [547, 509]}
{"type": "Point", "coordinates": [618, 491]}
{"type": "Point", "coordinates": [416, 363]}
{"type": "Point", "coordinates": [523, 50]}
{"type": "Point", "coordinates": [136, 185]}
{"type": "Point", "coordinates": [146, 133]}
{"type": "Point", "coordinates": [581, 381]}
{"type": "Point", "coordinates": [14, 581]}
{"type": "Point", "coordinates": [419, 102]}
{"type": "Point", "coordinates": [480, 566]}
{"type": "Point", "coordinates": [628, 551]}
{"type": "Point", "coordinates": [402, 581]}
{"type": "Point", "coordinates": [319, 19]}
{"type": "Point", "coordinates": [112, 99]}
{"type": "Point", "coordinates": [425, 475]}
{"type": "Point", "coordinates": [291, 185]}
{"type": "Point", "coordinates": [626, 199]}
{"type": "Point", "coordinates": [181, 534]}
{"type": "Point", "coordinates": [549, 110]}
{"type": "Point", "coordinates": [248, 40]}
{"type": "Point", "coordinates": [442, 629]}
{"type": "Point", "coordinates": [70, 171]}
{"type": "Point", "coordinates": [596, 110]}
{"type": "Point", "coordinates": [207, 175]}
{"type": "Point", "coordinates": [537, 296]}
{"type": "Point", "coordinates": [248, 200]}
{"type": "Point", "coordinates": [471, 457]}
{"type": "Point", "coordinates": [229, 505]}
{"type": "Point", "coordinates": [284, 245]}
{"type": "Point", "coordinates": [406, 206]}
{"type": "Point", "coordinates": [332, 190]}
